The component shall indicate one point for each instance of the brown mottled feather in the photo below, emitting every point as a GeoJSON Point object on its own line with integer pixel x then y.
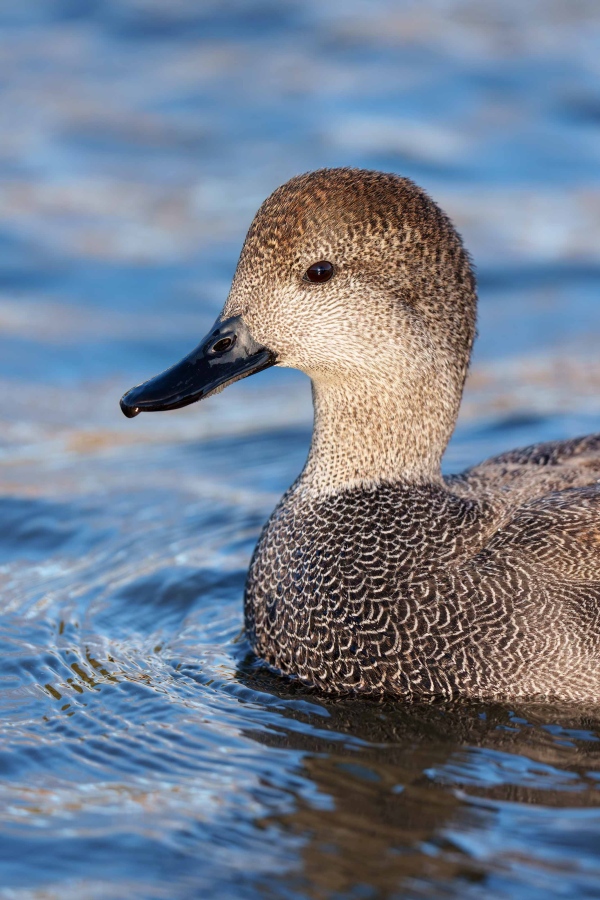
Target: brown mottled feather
{"type": "Point", "coordinates": [375, 574]}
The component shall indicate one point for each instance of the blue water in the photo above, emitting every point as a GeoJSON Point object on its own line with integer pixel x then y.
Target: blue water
{"type": "Point", "coordinates": [144, 753]}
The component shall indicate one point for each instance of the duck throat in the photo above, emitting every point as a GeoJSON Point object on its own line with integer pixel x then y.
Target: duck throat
{"type": "Point", "coordinates": [368, 433]}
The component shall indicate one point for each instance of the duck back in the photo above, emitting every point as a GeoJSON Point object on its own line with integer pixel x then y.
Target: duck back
{"type": "Point", "coordinates": [419, 591]}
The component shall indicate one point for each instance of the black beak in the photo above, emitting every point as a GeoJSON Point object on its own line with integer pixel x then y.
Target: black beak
{"type": "Point", "coordinates": [226, 355]}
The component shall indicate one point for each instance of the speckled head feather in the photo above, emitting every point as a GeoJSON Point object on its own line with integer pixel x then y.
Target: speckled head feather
{"type": "Point", "coordinates": [395, 253]}
{"type": "Point", "coordinates": [387, 341]}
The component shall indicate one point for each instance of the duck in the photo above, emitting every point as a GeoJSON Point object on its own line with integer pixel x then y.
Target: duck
{"type": "Point", "coordinates": [376, 575]}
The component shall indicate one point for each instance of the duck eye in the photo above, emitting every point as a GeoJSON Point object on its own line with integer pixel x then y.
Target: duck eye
{"type": "Point", "coordinates": [225, 343]}
{"type": "Point", "coordinates": [319, 272]}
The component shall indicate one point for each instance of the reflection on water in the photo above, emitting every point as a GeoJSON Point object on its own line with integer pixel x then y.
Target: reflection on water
{"type": "Point", "coordinates": [144, 752]}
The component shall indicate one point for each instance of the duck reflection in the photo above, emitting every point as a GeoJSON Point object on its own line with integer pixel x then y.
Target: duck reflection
{"type": "Point", "coordinates": [394, 784]}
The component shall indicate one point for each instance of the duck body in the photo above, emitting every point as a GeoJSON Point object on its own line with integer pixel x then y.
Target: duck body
{"type": "Point", "coordinates": [375, 574]}
{"type": "Point", "coordinates": [487, 586]}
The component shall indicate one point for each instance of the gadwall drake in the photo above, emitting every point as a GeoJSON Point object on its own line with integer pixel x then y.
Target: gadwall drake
{"type": "Point", "coordinates": [375, 574]}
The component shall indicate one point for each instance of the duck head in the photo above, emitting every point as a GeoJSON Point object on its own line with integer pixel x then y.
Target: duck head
{"type": "Point", "coordinates": [358, 279]}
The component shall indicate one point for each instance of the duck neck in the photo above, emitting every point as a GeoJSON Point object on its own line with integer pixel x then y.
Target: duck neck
{"type": "Point", "coordinates": [366, 434]}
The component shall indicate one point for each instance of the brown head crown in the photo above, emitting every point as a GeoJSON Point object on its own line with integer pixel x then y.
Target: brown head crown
{"type": "Point", "coordinates": [389, 243]}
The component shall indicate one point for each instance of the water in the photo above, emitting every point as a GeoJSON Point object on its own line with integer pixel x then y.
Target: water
{"type": "Point", "coordinates": [144, 753]}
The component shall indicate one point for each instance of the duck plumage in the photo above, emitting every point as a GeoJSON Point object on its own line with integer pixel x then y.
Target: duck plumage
{"type": "Point", "coordinates": [487, 586]}
{"type": "Point", "coordinates": [375, 574]}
